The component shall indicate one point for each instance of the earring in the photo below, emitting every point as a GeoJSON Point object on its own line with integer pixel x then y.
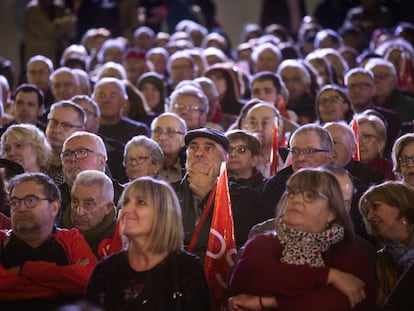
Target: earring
{"type": "Point", "coordinates": [404, 221]}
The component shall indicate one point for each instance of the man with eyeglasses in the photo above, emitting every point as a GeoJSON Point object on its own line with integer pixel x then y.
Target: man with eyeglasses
{"type": "Point", "coordinates": [310, 146]}
{"type": "Point", "coordinates": [207, 148]}
{"type": "Point", "coordinates": [362, 90]}
{"type": "Point", "coordinates": [243, 159]}
{"type": "Point", "coordinates": [181, 66]}
{"type": "Point", "coordinates": [168, 130]}
{"type": "Point", "coordinates": [260, 120]}
{"type": "Point", "coordinates": [82, 151]}
{"type": "Point", "coordinates": [191, 104]}
{"type": "Point", "coordinates": [388, 94]}
{"type": "Point", "coordinates": [38, 70]}
{"type": "Point", "coordinates": [42, 267]}
{"type": "Point", "coordinates": [64, 118]}
{"type": "Point", "coordinates": [114, 148]}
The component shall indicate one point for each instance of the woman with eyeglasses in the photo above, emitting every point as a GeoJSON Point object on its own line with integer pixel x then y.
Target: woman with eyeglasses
{"type": "Point", "coordinates": [142, 157]}
{"type": "Point", "coordinates": [372, 141]}
{"type": "Point", "coordinates": [403, 158]}
{"type": "Point", "coordinates": [332, 104]}
{"type": "Point", "coordinates": [311, 261]}
{"type": "Point", "coordinates": [242, 160]}
{"type": "Point", "coordinates": [389, 217]}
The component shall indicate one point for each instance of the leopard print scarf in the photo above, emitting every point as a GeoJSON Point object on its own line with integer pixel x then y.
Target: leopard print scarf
{"type": "Point", "coordinates": [304, 248]}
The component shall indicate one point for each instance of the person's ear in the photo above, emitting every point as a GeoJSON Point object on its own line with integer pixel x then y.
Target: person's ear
{"type": "Point", "coordinates": [109, 207]}
{"type": "Point", "coordinates": [54, 208]}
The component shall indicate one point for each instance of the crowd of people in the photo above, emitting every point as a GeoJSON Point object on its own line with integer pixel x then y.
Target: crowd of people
{"type": "Point", "coordinates": [111, 148]}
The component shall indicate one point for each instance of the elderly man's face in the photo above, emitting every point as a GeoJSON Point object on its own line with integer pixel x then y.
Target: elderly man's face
{"type": "Point", "coordinates": [344, 145]}
{"type": "Point", "coordinates": [110, 100]}
{"type": "Point", "coordinates": [308, 140]}
{"type": "Point", "coordinates": [204, 154]}
{"type": "Point", "coordinates": [88, 207]}
{"type": "Point", "coordinates": [72, 165]}
{"type": "Point", "coordinates": [38, 73]}
{"type": "Point", "coordinates": [169, 133]}
{"type": "Point", "coordinates": [190, 109]}
{"type": "Point", "coordinates": [64, 86]}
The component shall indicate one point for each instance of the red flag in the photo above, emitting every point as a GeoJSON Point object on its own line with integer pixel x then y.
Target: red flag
{"type": "Point", "coordinates": [355, 129]}
{"type": "Point", "coordinates": [221, 247]}
{"type": "Point", "coordinates": [274, 153]}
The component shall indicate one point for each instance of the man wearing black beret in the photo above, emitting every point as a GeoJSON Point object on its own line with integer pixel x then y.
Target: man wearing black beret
{"type": "Point", "coordinates": [207, 148]}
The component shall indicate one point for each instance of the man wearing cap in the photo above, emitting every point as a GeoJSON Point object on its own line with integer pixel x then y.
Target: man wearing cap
{"type": "Point", "coordinates": [206, 149]}
{"type": "Point", "coordinates": [135, 64]}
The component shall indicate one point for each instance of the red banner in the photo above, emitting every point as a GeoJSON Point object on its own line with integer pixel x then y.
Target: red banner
{"type": "Point", "coordinates": [221, 248]}
{"type": "Point", "coordinates": [274, 154]}
{"type": "Point", "coordinates": [355, 129]}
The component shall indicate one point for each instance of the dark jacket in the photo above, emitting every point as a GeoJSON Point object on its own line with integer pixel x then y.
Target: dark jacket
{"type": "Point", "coordinates": [245, 214]}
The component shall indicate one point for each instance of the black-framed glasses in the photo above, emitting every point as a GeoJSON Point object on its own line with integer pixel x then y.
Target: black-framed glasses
{"type": "Point", "coordinates": [30, 201]}
{"type": "Point", "coordinates": [405, 160]}
{"type": "Point", "coordinates": [306, 151]}
{"type": "Point", "coordinates": [309, 196]}
{"type": "Point", "coordinates": [63, 125]}
{"type": "Point", "coordinates": [136, 160]}
{"type": "Point", "coordinates": [240, 149]}
{"type": "Point", "coordinates": [170, 132]}
{"type": "Point", "coordinates": [81, 153]}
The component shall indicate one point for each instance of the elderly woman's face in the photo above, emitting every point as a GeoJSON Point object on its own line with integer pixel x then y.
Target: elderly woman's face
{"type": "Point", "coordinates": [407, 166]}
{"type": "Point", "coordinates": [385, 221]}
{"type": "Point", "coordinates": [370, 144]}
{"type": "Point", "coordinates": [24, 154]}
{"type": "Point", "coordinates": [138, 163]}
{"type": "Point", "coordinates": [307, 211]}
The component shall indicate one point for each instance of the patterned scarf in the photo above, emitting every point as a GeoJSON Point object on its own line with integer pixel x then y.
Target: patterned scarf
{"type": "Point", "coordinates": [403, 255]}
{"type": "Point", "coordinates": [304, 248]}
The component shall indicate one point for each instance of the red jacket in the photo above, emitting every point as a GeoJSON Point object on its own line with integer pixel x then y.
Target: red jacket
{"type": "Point", "coordinates": [41, 279]}
{"type": "Point", "coordinates": [259, 272]}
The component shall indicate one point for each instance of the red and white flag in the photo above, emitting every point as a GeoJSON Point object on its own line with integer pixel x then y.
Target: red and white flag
{"type": "Point", "coordinates": [221, 248]}
{"type": "Point", "coordinates": [355, 129]}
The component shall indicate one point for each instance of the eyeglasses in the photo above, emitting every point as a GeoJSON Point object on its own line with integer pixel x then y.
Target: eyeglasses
{"type": "Point", "coordinates": [306, 152]}
{"type": "Point", "coordinates": [239, 149]}
{"type": "Point", "coordinates": [181, 108]}
{"type": "Point", "coordinates": [63, 125]}
{"type": "Point", "coordinates": [80, 154]}
{"type": "Point", "coordinates": [330, 100]}
{"type": "Point", "coordinates": [135, 160]}
{"type": "Point", "coordinates": [405, 160]}
{"type": "Point", "coordinates": [366, 138]}
{"type": "Point", "coordinates": [170, 132]}
{"type": "Point", "coordinates": [362, 85]}
{"type": "Point", "coordinates": [308, 196]}
{"type": "Point", "coordinates": [30, 201]}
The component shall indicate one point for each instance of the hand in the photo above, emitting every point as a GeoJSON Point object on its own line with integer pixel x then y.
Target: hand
{"type": "Point", "coordinates": [243, 302]}
{"type": "Point", "coordinates": [252, 303]}
{"type": "Point", "coordinates": [201, 183]}
{"type": "Point", "coordinates": [348, 284]}
{"type": "Point", "coordinates": [14, 270]}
